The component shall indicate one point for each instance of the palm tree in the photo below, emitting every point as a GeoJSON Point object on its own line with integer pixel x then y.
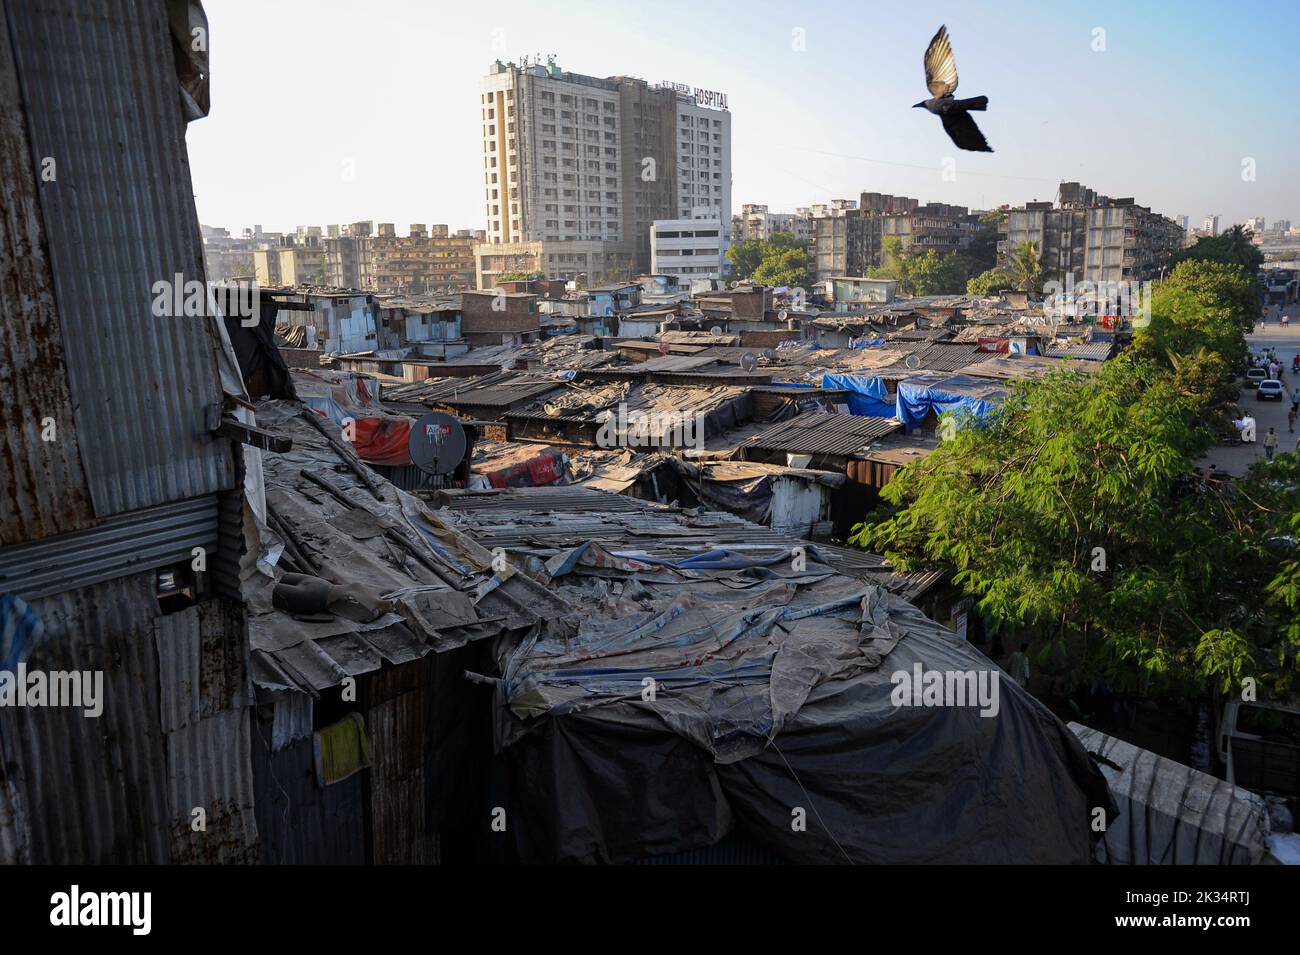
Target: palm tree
{"type": "Point", "coordinates": [1026, 267]}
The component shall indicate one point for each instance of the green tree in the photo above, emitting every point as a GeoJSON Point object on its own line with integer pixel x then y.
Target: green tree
{"type": "Point", "coordinates": [519, 276]}
{"type": "Point", "coordinates": [1233, 247]}
{"type": "Point", "coordinates": [989, 282]}
{"type": "Point", "coordinates": [781, 260]}
{"type": "Point", "coordinates": [1180, 326]}
{"type": "Point", "coordinates": [784, 266]}
{"type": "Point", "coordinates": [1070, 512]}
{"type": "Point", "coordinates": [1222, 286]}
{"type": "Point", "coordinates": [745, 256]}
{"type": "Point", "coordinates": [921, 273]}
{"type": "Point", "coordinates": [1025, 265]}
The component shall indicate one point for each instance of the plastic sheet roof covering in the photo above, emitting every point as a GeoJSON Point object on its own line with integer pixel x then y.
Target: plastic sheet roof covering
{"type": "Point", "coordinates": [541, 522]}
{"type": "Point", "coordinates": [942, 393]}
{"type": "Point", "coordinates": [825, 433]}
{"type": "Point", "coordinates": [440, 583]}
{"type": "Point", "coordinates": [772, 688]}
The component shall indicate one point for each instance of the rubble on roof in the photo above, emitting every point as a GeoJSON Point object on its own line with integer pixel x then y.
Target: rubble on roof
{"type": "Point", "coordinates": [405, 583]}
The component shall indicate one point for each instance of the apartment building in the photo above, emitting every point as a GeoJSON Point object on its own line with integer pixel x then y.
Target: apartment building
{"type": "Point", "coordinates": [423, 262]}
{"type": "Point", "coordinates": [583, 165]}
{"type": "Point", "coordinates": [850, 237]}
{"type": "Point", "coordinates": [758, 222]}
{"type": "Point", "coordinates": [689, 248]}
{"type": "Point", "coordinates": [1092, 237]}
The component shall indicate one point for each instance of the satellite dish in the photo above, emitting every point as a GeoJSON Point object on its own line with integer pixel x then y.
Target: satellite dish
{"type": "Point", "coordinates": [749, 361]}
{"type": "Point", "coordinates": [911, 361]}
{"type": "Point", "coordinates": [715, 330]}
{"type": "Point", "coordinates": [783, 315]}
{"type": "Point", "coordinates": [436, 443]}
{"type": "Point", "coordinates": [769, 353]}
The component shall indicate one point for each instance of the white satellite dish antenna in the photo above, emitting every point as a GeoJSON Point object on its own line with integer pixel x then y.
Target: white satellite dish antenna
{"type": "Point", "coordinates": [749, 361]}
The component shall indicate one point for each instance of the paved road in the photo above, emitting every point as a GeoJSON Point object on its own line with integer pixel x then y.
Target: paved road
{"type": "Point", "coordinates": [1235, 459]}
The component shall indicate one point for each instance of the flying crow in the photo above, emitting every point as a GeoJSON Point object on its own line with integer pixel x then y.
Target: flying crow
{"type": "Point", "coordinates": [941, 78]}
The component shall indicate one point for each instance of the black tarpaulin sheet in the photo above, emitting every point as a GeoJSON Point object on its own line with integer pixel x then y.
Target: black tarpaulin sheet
{"type": "Point", "coordinates": [772, 705]}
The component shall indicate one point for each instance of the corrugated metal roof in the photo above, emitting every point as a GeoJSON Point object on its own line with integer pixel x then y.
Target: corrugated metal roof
{"type": "Point", "coordinates": [1090, 351]}
{"type": "Point", "coordinates": [820, 432]}
{"type": "Point", "coordinates": [102, 97]}
{"type": "Point", "coordinates": [1006, 367]}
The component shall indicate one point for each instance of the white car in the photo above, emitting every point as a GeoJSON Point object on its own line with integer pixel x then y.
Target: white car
{"type": "Point", "coordinates": [1270, 389]}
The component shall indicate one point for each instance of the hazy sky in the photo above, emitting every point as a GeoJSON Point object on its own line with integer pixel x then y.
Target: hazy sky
{"type": "Point", "coordinates": [1181, 95]}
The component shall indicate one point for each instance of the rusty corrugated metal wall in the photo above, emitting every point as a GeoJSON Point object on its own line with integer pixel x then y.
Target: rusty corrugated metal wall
{"type": "Point", "coordinates": [396, 723]}
{"type": "Point", "coordinates": [42, 483]}
{"type": "Point", "coordinates": [173, 735]}
{"type": "Point", "coordinates": [301, 823]}
{"type": "Point", "coordinates": [100, 97]}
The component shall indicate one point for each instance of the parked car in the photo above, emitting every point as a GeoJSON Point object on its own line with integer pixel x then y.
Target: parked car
{"type": "Point", "coordinates": [1259, 747]}
{"type": "Point", "coordinates": [1254, 376]}
{"type": "Point", "coordinates": [1270, 389]}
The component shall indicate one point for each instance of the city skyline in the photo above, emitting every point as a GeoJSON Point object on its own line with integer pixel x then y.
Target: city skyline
{"type": "Point", "coordinates": [811, 120]}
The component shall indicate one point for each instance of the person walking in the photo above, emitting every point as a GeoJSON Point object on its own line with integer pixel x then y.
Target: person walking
{"type": "Point", "coordinates": [1270, 444]}
{"type": "Point", "coordinates": [1295, 398]}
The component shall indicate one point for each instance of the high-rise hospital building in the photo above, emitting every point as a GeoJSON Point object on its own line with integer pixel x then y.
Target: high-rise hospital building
{"type": "Point", "coordinates": [577, 168]}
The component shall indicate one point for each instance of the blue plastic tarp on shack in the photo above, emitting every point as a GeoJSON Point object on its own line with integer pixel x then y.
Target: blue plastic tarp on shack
{"type": "Point", "coordinates": [942, 394]}
{"type": "Point", "coordinates": [867, 396]}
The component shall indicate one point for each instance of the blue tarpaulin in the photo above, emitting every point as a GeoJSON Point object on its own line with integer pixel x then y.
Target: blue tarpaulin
{"type": "Point", "coordinates": [941, 393]}
{"type": "Point", "coordinates": [867, 396]}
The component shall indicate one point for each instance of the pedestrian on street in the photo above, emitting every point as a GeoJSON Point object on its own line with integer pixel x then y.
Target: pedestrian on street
{"type": "Point", "coordinates": [1270, 444]}
{"type": "Point", "coordinates": [1295, 398]}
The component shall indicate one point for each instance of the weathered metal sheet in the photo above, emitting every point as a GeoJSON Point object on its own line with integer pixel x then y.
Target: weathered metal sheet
{"type": "Point", "coordinates": [172, 735]}
{"type": "Point", "coordinates": [823, 433]}
{"type": "Point", "coordinates": [99, 86]}
{"type": "Point", "coordinates": [397, 786]}
{"type": "Point", "coordinates": [210, 790]}
{"type": "Point", "coordinates": [95, 789]}
{"type": "Point", "coordinates": [299, 821]}
{"type": "Point", "coordinates": [119, 546]}
{"type": "Point", "coordinates": [42, 483]}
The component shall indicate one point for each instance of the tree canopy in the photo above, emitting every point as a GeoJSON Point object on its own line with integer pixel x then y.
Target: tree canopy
{"type": "Point", "coordinates": [1074, 511]}
{"type": "Point", "coordinates": [1233, 247]}
{"type": "Point", "coordinates": [780, 260]}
